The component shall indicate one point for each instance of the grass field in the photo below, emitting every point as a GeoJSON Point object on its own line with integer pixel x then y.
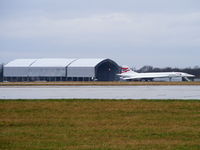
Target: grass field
{"type": "Point", "coordinates": [79, 83]}
{"type": "Point", "coordinates": [99, 125]}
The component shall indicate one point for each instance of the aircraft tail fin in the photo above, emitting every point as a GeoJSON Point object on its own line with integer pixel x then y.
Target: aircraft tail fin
{"type": "Point", "coordinates": [125, 69]}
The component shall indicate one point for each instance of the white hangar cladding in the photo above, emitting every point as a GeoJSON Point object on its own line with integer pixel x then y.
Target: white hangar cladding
{"type": "Point", "coordinates": [61, 70]}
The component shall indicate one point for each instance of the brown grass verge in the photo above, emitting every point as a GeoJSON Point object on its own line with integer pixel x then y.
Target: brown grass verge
{"type": "Point", "coordinates": [67, 83]}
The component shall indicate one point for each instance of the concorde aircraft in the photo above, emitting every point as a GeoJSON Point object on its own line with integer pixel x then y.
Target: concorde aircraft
{"type": "Point", "coordinates": [128, 74]}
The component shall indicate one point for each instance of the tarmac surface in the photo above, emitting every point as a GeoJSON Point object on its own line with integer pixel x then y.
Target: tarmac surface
{"type": "Point", "coordinates": [100, 92]}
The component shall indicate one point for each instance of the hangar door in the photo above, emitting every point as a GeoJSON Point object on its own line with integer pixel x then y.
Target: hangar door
{"type": "Point", "coordinates": [107, 70]}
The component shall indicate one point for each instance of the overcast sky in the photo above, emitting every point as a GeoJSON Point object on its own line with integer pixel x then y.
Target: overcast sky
{"type": "Point", "coordinates": [131, 32]}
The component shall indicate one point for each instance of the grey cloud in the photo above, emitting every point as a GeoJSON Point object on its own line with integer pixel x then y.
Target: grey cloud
{"type": "Point", "coordinates": [134, 32]}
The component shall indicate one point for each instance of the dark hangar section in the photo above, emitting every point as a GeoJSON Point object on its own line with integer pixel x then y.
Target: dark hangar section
{"type": "Point", "coordinates": [107, 70]}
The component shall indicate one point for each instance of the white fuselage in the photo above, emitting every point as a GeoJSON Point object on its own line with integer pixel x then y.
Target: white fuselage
{"type": "Point", "coordinates": [131, 75]}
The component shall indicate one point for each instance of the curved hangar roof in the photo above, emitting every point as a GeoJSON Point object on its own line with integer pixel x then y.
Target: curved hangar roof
{"type": "Point", "coordinates": [51, 67]}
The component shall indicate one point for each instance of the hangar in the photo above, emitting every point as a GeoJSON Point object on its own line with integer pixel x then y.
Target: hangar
{"type": "Point", "coordinates": [61, 69]}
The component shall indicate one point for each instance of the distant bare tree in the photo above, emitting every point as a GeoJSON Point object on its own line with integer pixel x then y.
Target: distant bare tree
{"type": "Point", "coordinates": [146, 69]}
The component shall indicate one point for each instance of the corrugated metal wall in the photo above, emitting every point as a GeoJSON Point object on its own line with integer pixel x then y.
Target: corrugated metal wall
{"type": "Point", "coordinates": [81, 71]}
{"type": "Point", "coordinates": [37, 68]}
{"type": "Point", "coordinates": [47, 72]}
{"type": "Point", "coordinates": [83, 67]}
{"type": "Point", "coordinates": [49, 67]}
{"type": "Point", "coordinates": [18, 68]}
{"type": "Point", "coordinates": [16, 71]}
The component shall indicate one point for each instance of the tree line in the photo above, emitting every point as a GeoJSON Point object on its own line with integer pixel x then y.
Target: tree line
{"type": "Point", "coordinates": [194, 71]}
{"type": "Point", "coordinates": [1, 72]}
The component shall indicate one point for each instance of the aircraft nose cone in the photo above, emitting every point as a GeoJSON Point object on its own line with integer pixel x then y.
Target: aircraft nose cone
{"type": "Point", "coordinates": [189, 75]}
